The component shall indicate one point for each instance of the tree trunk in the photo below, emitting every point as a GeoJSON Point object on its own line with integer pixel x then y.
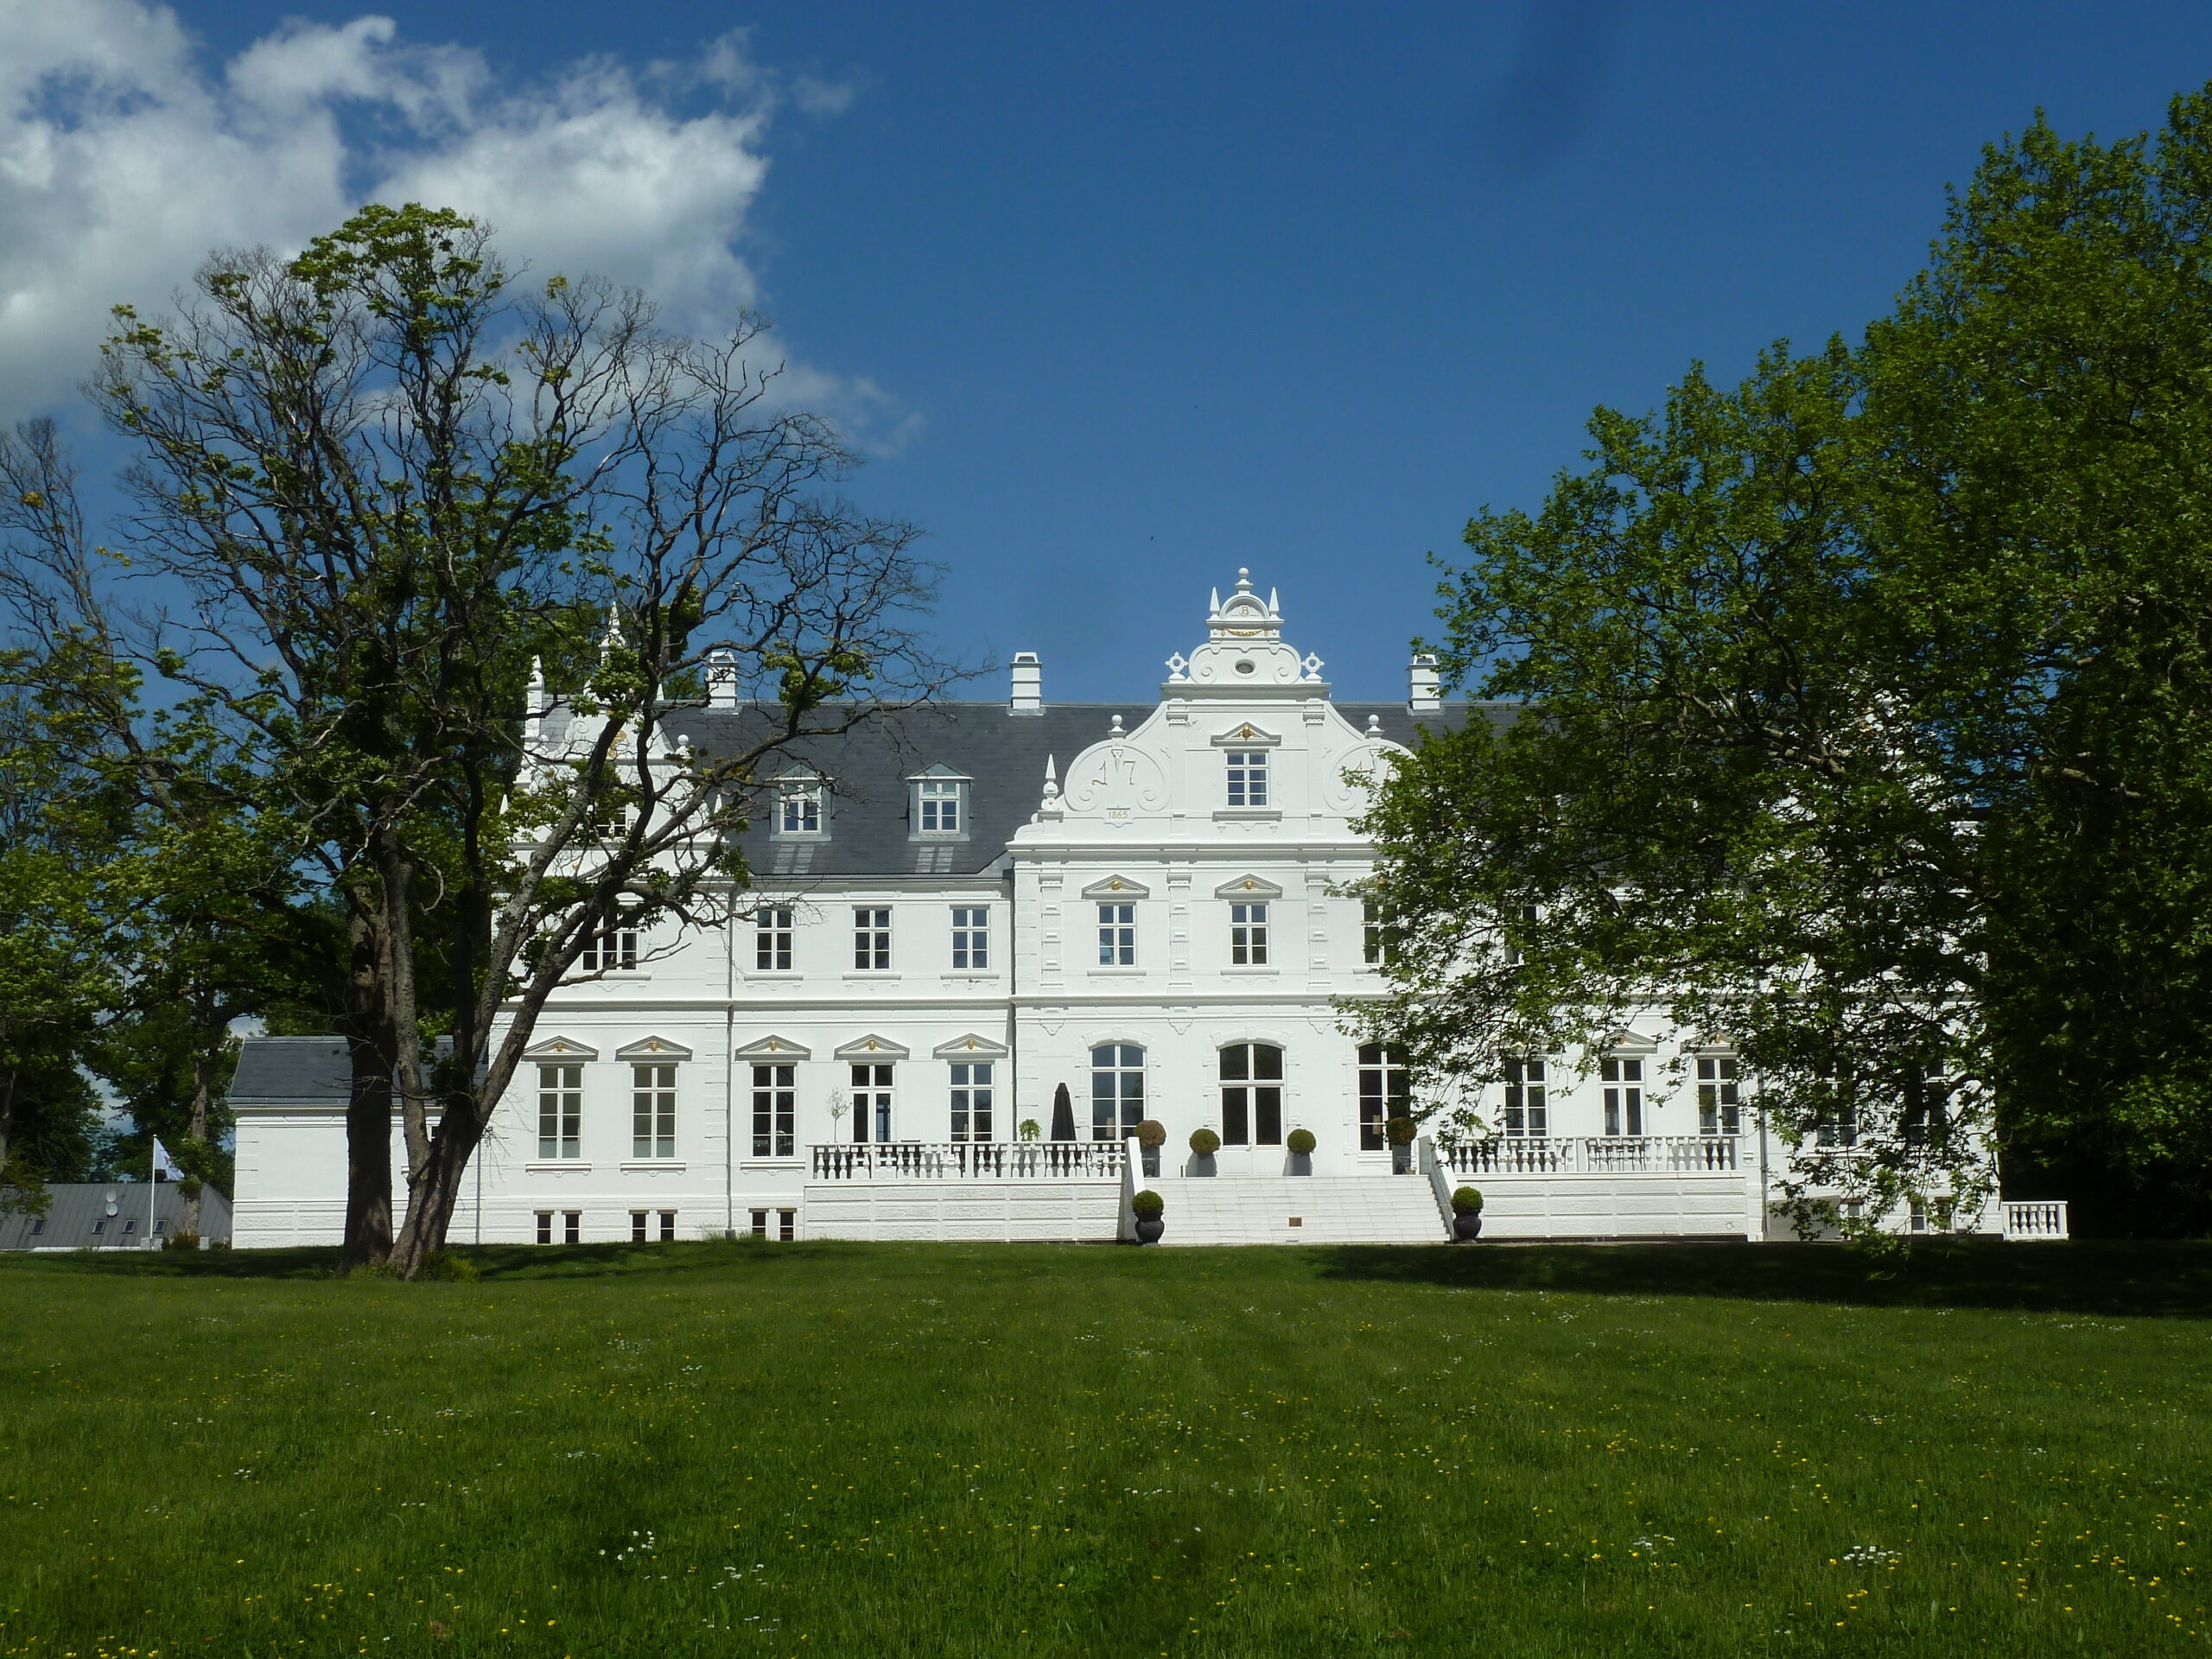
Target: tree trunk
{"type": "Point", "coordinates": [431, 1197]}
{"type": "Point", "coordinates": [202, 1087]}
{"type": "Point", "coordinates": [368, 1112]}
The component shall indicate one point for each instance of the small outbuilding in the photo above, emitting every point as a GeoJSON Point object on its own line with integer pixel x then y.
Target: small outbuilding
{"type": "Point", "coordinates": [112, 1216]}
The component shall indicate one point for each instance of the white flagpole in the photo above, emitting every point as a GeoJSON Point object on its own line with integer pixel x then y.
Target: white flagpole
{"type": "Point", "coordinates": [153, 1181]}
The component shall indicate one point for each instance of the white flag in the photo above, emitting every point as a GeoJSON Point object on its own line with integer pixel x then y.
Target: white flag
{"type": "Point", "coordinates": [163, 1164]}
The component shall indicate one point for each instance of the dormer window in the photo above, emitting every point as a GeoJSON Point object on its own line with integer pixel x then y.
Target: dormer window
{"type": "Point", "coordinates": [1248, 776]}
{"type": "Point", "coordinates": [940, 804]}
{"type": "Point", "coordinates": [799, 808]}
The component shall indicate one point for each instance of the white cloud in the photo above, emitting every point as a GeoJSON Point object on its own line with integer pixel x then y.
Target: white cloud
{"type": "Point", "coordinates": [125, 156]}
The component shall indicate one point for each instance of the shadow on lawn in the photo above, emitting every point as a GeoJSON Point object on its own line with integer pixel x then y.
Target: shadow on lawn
{"type": "Point", "coordinates": [2161, 1278]}
{"type": "Point", "coordinates": [494, 1261]}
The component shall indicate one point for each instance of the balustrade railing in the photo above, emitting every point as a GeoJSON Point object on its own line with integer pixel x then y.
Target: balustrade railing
{"type": "Point", "coordinates": [967, 1160]}
{"type": "Point", "coordinates": [2035, 1218]}
{"type": "Point", "coordinates": [1589, 1155]}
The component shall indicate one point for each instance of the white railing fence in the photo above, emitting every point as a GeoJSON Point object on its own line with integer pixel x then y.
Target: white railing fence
{"type": "Point", "coordinates": [1586, 1154]}
{"type": "Point", "coordinates": [2035, 1218]}
{"type": "Point", "coordinates": [958, 1160]}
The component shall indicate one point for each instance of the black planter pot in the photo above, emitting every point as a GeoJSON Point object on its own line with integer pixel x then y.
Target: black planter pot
{"type": "Point", "coordinates": [1401, 1160]}
{"type": "Point", "coordinates": [1149, 1228]}
{"type": "Point", "coordinates": [1467, 1226]}
{"type": "Point", "coordinates": [1151, 1158]}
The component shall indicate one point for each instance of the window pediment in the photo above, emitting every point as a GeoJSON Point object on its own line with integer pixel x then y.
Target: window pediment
{"type": "Point", "coordinates": [1246, 735]}
{"type": "Point", "coordinates": [872, 1047]}
{"type": "Point", "coordinates": [653, 1048]}
{"type": "Point", "coordinates": [1247, 889]}
{"type": "Point", "coordinates": [1625, 1041]}
{"type": "Point", "coordinates": [560, 1048]}
{"type": "Point", "coordinates": [774, 1048]}
{"type": "Point", "coordinates": [973, 1047]}
{"type": "Point", "coordinates": [1117, 887]}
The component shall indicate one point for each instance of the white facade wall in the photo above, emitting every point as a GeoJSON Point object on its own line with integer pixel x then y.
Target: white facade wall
{"type": "Point", "coordinates": [1141, 816]}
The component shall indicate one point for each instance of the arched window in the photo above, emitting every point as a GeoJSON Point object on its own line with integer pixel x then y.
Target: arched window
{"type": "Point", "coordinates": [1116, 1091]}
{"type": "Point", "coordinates": [1385, 1092]}
{"type": "Point", "coordinates": [1251, 1095]}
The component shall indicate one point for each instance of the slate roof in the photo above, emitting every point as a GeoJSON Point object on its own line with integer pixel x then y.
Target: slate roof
{"type": "Point", "coordinates": [283, 1071]}
{"type": "Point", "coordinates": [866, 799]}
{"type": "Point", "coordinates": [76, 1216]}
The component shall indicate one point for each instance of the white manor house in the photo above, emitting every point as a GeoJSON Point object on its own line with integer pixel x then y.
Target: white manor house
{"type": "Point", "coordinates": [965, 910]}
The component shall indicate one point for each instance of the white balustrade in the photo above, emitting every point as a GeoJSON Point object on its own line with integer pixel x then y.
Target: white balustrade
{"type": "Point", "coordinates": [1589, 1155]}
{"type": "Point", "coordinates": [2035, 1218]}
{"type": "Point", "coordinates": [967, 1160]}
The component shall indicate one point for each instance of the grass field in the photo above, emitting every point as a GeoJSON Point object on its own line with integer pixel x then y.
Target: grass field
{"type": "Point", "coordinates": [834, 1450]}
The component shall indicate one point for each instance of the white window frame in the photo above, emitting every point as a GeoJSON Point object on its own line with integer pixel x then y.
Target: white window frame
{"type": "Point", "coordinates": [971, 939]}
{"type": "Point", "coordinates": [775, 1109]}
{"type": "Point", "coordinates": [874, 1086]}
{"type": "Point", "coordinates": [1117, 935]}
{"type": "Point", "coordinates": [614, 949]}
{"type": "Point", "coordinates": [1719, 1096]}
{"type": "Point", "coordinates": [1248, 933]}
{"type": "Point", "coordinates": [1527, 1098]}
{"type": "Point", "coordinates": [974, 1091]}
{"type": "Point", "coordinates": [561, 1108]}
{"type": "Point", "coordinates": [1245, 777]}
{"type": "Point", "coordinates": [798, 810]}
{"type": "Point", "coordinates": [652, 1110]}
{"type": "Point", "coordinates": [871, 938]}
{"type": "Point", "coordinates": [773, 939]}
{"type": "Point", "coordinates": [1622, 1078]}
{"type": "Point", "coordinates": [1111, 1098]}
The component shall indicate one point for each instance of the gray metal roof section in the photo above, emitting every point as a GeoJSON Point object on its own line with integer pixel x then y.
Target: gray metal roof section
{"type": "Point", "coordinates": [287, 1071]}
{"type": "Point", "coordinates": [865, 773]}
{"type": "Point", "coordinates": [78, 1218]}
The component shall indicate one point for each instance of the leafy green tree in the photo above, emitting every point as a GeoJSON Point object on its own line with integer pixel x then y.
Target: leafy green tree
{"type": "Point", "coordinates": [1709, 805]}
{"type": "Point", "coordinates": [2039, 405]}
{"type": "Point", "coordinates": [1863, 721]}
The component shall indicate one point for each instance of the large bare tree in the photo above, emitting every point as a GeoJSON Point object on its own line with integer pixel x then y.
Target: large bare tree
{"type": "Point", "coordinates": [395, 491]}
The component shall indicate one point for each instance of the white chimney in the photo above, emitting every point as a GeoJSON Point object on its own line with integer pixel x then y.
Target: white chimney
{"type": "Point", "coordinates": [722, 679]}
{"type": "Point", "coordinates": [1424, 695]}
{"type": "Point", "coordinates": [1028, 684]}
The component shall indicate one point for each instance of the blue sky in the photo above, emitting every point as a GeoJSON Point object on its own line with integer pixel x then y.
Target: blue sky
{"type": "Point", "coordinates": [1127, 297]}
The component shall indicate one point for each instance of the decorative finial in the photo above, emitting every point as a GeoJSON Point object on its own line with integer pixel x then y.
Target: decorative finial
{"type": "Point", "coordinates": [1243, 580]}
{"type": "Point", "coordinates": [612, 637]}
{"type": "Point", "coordinates": [1176, 665]}
{"type": "Point", "coordinates": [1051, 780]}
{"type": "Point", "coordinates": [1374, 725]}
{"type": "Point", "coordinates": [1115, 729]}
{"type": "Point", "coordinates": [534, 699]}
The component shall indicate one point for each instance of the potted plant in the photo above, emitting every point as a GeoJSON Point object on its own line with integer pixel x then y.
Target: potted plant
{"type": "Point", "coordinates": [1299, 1144]}
{"type": "Point", "coordinates": [1467, 1213]}
{"type": "Point", "coordinates": [1399, 1131]}
{"type": "Point", "coordinates": [1204, 1144]}
{"type": "Point", "coordinates": [1152, 1136]}
{"type": "Point", "coordinates": [1148, 1204]}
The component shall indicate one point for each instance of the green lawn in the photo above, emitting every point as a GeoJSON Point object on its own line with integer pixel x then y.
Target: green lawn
{"type": "Point", "coordinates": [862, 1449]}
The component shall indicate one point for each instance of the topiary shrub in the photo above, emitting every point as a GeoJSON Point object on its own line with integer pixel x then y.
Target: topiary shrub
{"type": "Point", "coordinates": [1301, 1141]}
{"type": "Point", "coordinates": [1400, 1131]}
{"type": "Point", "coordinates": [1465, 1201]}
{"type": "Point", "coordinates": [1151, 1134]}
{"type": "Point", "coordinates": [1147, 1202]}
{"type": "Point", "coordinates": [1204, 1142]}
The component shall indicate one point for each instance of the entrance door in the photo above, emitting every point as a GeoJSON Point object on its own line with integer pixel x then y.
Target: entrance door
{"type": "Point", "coordinates": [1251, 1095]}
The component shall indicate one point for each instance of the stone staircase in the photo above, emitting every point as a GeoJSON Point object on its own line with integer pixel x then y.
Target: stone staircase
{"type": "Point", "coordinates": [1328, 1210]}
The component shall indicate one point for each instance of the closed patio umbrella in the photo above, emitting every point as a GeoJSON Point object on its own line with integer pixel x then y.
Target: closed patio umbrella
{"type": "Point", "coordinates": [1063, 1115]}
